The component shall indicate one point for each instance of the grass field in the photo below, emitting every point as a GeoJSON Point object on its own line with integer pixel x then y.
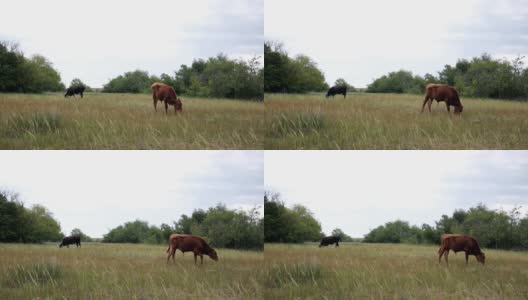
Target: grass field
{"type": "Point", "coordinates": [392, 271]}
{"type": "Point", "coordinates": [127, 121]}
{"type": "Point", "coordinates": [391, 121]}
{"type": "Point", "coordinates": [125, 271]}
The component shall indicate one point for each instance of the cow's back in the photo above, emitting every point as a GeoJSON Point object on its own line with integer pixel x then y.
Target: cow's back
{"type": "Point", "coordinates": [161, 91]}
{"type": "Point", "coordinates": [460, 242]}
{"type": "Point", "coordinates": [189, 243]}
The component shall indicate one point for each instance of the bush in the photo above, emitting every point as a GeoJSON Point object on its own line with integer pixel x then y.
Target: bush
{"type": "Point", "coordinates": [218, 77]}
{"type": "Point", "coordinates": [20, 74]}
{"type": "Point", "coordinates": [293, 274]}
{"type": "Point", "coordinates": [36, 123]}
{"type": "Point", "coordinates": [492, 228]}
{"type": "Point", "coordinates": [37, 275]}
{"type": "Point", "coordinates": [222, 227]}
{"type": "Point", "coordinates": [19, 224]}
{"type": "Point", "coordinates": [290, 75]}
{"type": "Point", "coordinates": [300, 123]}
{"type": "Point", "coordinates": [288, 225]}
{"type": "Point", "coordinates": [479, 77]}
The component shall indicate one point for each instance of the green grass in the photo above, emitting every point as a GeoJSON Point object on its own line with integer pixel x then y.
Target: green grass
{"type": "Point", "coordinates": [391, 121]}
{"type": "Point", "coordinates": [127, 121]}
{"type": "Point", "coordinates": [125, 271]}
{"type": "Point", "coordinates": [391, 271]}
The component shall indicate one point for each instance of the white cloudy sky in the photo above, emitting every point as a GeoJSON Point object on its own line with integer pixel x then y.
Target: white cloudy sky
{"type": "Point", "coordinates": [98, 190]}
{"type": "Point", "coordinates": [360, 190]}
{"type": "Point", "coordinates": [360, 40]}
{"type": "Point", "coordinates": [98, 40]}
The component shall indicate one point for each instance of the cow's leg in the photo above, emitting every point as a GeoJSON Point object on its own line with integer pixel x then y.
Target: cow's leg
{"type": "Point", "coordinates": [440, 253]}
{"type": "Point", "coordinates": [467, 256]}
{"type": "Point", "coordinates": [201, 259]}
{"type": "Point", "coordinates": [155, 104]}
{"type": "Point", "coordinates": [169, 256]}
{"type": "Point", "coordinates": [81, 95]}
{"type": "Point", "coordinates": [446, 254]}
{"type": "Point", "coordinates": [423, 105]}
{"type": "Point", "coordinates": [173, 255]}
{"type": "Point", "coordinates": [429, 104]}
{"type": "Point", "coordinates": [337, 244]}
{"type": "Point", "coordinates": [195, 255]}
{"type": "Point", "coordinates": [448, 108]}
{"type": "Point", "coordinates": [166, 106]}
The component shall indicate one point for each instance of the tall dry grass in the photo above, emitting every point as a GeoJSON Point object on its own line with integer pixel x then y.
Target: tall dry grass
{"type": "Point", "coordinates": [127, 121]}
{"type": "Point", "coordinates": [125, 271]}
{"type": "Point", "coordinates": [391, 121]}
{"type": "Point", "coordinates": [390, 271]}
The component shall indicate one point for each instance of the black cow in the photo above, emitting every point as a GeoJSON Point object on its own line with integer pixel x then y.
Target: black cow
{"type": "Point", "coordinates": [74, 90]}
{"type": "Point", "coordinates": [70, 240]}
{"type": "Point", "coordinates": [335, 90]}
{"type": "Point", "coordinates": [329, 240]}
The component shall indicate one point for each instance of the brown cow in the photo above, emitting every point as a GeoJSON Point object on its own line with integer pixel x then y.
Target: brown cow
{"type": "Point", "coordinates": [186, 243]}
{"type": "Point", "coordinates": [165, 93]}
{"type": "Point", "coordinates": [442, 92]}
{"type": "Point", "coordinates": [457, 243]}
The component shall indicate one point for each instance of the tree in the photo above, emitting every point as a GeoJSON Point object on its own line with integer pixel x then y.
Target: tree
{"type": "Point", "coordinates": [344, 237]}
{"type": "Point", "coordinates": [22, 225]}
{"type": "Point", "coordinates": [84, 237]}
{"type": "Point", "coordinates": [20, 74]}
{"type": "Point", "coordinates": [397, 82]}
{"type": "Point", "coordinates": [291, 75]}
{"type": "Point", "coordinates": [76, 82]}
{"type": "Point", "coordinates": [285, 225]}
{"type": "Point", "coordinates": [131, 82]}
{"type": "Point", "coordinates": [342, 82]}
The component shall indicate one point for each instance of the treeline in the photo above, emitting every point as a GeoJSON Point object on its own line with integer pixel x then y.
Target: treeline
{"type": "Point", "coordinates": [288, 225]}
{"type": "Point", "coordinates": [284, 74]}
{"type": "Point", "coordinates": [492, 228]}
{"type": "Point", "coordinates": [222, 227]}
{"type": "Point", "coordinates": [26, 75]}
{"type": "Point", "coordinates": [19, 224]}
{"type": "Point", "coordinates": [479, 77]}
{"type": "Point", "coordinates": [218, 77]}
{"type": "Point", "coordinates": [292, 225]}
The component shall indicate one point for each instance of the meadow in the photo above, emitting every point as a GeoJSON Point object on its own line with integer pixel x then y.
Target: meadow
{"type": "Point", "coordinates": [392, 271]}
{"type": "Point", "coordinates": [125, 271]}
{"type": "Point", "coordinates": [391, 121]}
{"type": "Point", "coordinates": [127, 121]}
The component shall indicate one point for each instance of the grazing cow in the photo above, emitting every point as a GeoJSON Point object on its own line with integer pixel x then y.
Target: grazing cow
{"type": "Point", "coordinates": [166, 94]}
{"type": "Point", "coordinates": [186, 243]}
{"type": "Point", "coordinates": [457, 243]}
{"type": "Point", "coordinates": [335, 90]}
{"type": "Point", "coordinates": [70, 240]}
{"type": "Point", "coordinates": [338, 89]}
{"type": "Point", "coordinates": [329, 240]}
{"type": "Point", "coordinates": [74, 90]}
{"type": "Point", "coordinates": [442, 92]}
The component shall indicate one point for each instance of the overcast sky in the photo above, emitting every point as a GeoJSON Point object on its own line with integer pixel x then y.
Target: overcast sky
{"type": "Point", "coordinates": [361, 40]}
{"type": "Point", "coordinates": [360, 190]}
{"type": "Point", "coordinates": [98, 40]}
{"type": "Point", "coordinates": [99, 190]}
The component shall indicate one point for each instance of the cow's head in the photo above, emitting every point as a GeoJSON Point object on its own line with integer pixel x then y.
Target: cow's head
{"type": "Point", "coordinates": [178, 105]}
{"type": "Point", "coordinates": [213, 255]}
{"type": "Point", "coordinates": [481, 258]}
{"type": "Point", "coordinates": [60, 246]}
{"type": "Point", "coordinates": [459, 109]}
